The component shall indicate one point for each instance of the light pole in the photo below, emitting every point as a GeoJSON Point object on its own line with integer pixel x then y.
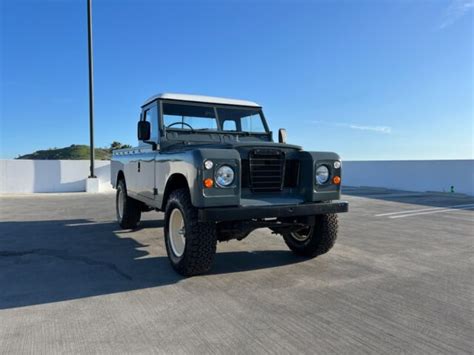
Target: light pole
{"type": "Point", "coordinates": [91, 87]}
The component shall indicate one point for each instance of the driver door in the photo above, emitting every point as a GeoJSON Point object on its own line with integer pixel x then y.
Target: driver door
{"type": "Point", "coordinates": [147, 160]}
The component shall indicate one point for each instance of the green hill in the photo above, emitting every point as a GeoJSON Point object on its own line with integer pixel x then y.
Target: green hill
{"type": "Point", "coordinates": [74, 152]}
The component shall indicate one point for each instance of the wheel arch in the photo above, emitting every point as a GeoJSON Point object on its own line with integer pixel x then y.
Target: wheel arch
{"type": "Point", "coordinates": [120, 176]}
{"type": "Point", "coordinates": [175, 181]}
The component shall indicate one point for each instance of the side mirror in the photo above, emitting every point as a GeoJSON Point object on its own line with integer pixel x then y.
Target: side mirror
{"type": "Point", "coordinates": [143, 130]}
{"type": "Point", "coordinates": [282, 135]}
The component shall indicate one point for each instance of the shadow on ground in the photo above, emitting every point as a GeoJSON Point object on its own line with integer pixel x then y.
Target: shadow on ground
{"type": "Point", "coordinates": [50, 261]}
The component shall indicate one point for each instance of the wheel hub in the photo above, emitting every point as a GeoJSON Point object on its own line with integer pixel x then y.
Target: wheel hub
{"type": "Point", "coordinates": [177, 232]}
{"type": "Point", "coordinates": [121, 203]}
{"type": "Point", "coordinates": [302, 234]}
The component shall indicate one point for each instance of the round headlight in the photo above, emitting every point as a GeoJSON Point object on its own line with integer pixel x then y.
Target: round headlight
{"type": "Point", "coordinates": [337, 164]}
{"type": "Point", "coordinates": [322, 174]}
{"type": "Point", "coordinates": [224, 176]}
{"type": "Point", "coordinates": [208, 164]}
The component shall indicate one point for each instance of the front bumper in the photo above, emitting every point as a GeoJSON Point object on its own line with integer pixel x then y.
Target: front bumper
{"type": "Point", "coordinates": [221, 214]}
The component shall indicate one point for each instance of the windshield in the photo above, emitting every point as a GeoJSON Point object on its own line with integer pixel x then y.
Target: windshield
{"type": "Point", "coordinates": [202, 117]}
{"type": "Point", "coordinates": [241, 120]}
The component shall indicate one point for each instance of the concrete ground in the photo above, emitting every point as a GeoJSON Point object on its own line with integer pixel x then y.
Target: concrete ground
{"type": "Point", "coordinates": [399, 280]}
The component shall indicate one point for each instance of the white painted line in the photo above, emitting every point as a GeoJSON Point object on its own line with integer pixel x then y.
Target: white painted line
{"type": "Point", "coordinates": [86, 224]}
{"type": "Point", "coordinates": [423, 209]}
{"type": "Point", "coordinates": [435, 211]}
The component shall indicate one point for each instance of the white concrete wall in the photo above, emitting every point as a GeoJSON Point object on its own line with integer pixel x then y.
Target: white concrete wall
{"type": "Point", "coordinates": [23, 176]}
{"type": "Point", "coordinates": [20, 176]}
{"type": "Point", "coordinates": [411, 175]}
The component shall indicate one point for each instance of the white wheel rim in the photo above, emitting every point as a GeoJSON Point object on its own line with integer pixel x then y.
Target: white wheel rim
{"type": "Point", "coordinates": [177, 232]}
{"type": "Point", "coordinates": [301, 237]}
{"type": "Point", "coordinates": [121, 203]}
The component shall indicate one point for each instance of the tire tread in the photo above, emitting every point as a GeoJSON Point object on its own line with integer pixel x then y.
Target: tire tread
{"type": "Point", "coordinates": [200, 243]}
{"type": "Point", "coordinates": [323, 238]}
{"type": "Point", "coordinates": [132, 209]}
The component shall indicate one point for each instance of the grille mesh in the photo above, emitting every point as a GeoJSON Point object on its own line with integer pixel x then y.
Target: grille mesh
{"type": "Point", "coordinates": [266, 169]}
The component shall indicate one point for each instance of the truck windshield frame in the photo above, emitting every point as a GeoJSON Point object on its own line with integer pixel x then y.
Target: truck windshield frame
{"type": "Point", "coordinates": [217, 114]}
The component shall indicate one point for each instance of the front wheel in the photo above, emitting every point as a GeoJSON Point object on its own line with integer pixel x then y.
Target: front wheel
{"type": "Point", "coordinates": [316, 239]}
{"type": "Point", "coordinates": [190, 244]}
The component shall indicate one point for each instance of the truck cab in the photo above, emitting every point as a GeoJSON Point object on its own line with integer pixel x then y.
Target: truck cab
{"type": "Point", "coordinates": [211, 165]}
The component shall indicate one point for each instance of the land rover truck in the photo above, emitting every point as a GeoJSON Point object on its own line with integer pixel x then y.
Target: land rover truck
{"type": "Point", "coordinates": [211, 165]}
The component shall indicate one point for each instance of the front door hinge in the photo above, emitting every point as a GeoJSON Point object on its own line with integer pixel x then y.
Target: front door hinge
{"type": "Point", "coordinates": [155, 191]}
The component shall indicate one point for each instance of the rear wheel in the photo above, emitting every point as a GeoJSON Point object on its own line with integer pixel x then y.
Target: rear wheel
{"type": "Point", "coordinates": [128, 210]}
{"type": "Point", "coordinates": [316, 239]}
{"type": "Point", "coordinates": [190, 244]}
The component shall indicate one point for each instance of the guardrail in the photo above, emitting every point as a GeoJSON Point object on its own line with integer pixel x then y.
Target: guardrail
{"type": "Point", "coordinates": [26, 176]}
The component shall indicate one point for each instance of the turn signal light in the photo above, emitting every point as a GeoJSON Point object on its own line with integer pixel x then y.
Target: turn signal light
{"type": "Point", "coordinates": [336, 180]}
{"type": "Point", "coordinates": [208, 183]}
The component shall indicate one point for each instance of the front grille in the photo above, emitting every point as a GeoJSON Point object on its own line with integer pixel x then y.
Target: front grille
{"type": "Point", "coordinates": [292, 172]}
{"type": "Point", "coordinates": [266, 170]}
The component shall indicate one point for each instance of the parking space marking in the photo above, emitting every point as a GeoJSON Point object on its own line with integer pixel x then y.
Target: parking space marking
{"type": "Point", "coordinates": [87, 224]}
{"type": "Point", "coordinates": [469, 205]}
{"type": "Point", "coordinates": [432, 212]}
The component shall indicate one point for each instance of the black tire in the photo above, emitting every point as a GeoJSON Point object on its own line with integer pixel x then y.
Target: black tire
{"type": "Point", "coordinates": [320, 237]}
{"type": "Point", "coordinates": [200, 237]}
{"type": "Point", "coordinates": [129, 217]}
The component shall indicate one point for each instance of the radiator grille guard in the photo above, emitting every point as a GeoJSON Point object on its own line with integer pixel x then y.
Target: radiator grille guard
{"type": "Point", "coordinates": [266, 170]}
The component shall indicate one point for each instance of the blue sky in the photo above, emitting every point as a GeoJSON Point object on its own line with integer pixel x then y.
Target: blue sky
{"type": "Point", "coordinates": [367, 79]}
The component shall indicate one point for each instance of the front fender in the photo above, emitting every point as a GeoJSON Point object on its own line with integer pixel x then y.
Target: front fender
{"type": "Point", "coordinates": [313, 192]}
{"type": "Point", "coordinates": [216, 196]}
{"type": "Point", "coordinates": [189, 164]}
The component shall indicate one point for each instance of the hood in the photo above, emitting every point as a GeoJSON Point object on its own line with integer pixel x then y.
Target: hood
{"type": "Point", "coordinates": [250, 145]}
{"type": "Point", "coordinates": [240, 146]}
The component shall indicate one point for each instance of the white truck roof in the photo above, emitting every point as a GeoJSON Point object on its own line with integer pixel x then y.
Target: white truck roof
{"type": "Point", "coordinates": [201, 98]}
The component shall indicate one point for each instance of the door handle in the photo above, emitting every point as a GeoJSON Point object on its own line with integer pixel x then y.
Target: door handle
{"type": "Point", "coordinates": [138, 166]}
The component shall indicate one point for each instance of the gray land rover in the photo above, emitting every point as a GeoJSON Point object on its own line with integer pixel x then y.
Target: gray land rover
{"type": "Point", "coordinates": [210, 164]}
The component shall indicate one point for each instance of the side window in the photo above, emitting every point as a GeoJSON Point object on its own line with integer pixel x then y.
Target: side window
{"type": "Point", "coordinates": [151, 115]}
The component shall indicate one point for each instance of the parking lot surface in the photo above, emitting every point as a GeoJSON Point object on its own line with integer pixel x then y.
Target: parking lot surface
{"type": "Point", "coordinates": [400, 279]}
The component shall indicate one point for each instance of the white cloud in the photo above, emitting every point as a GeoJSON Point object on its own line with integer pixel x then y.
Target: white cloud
{"type": "Point", "coordinates": [377, 129]}
{"type": "Point", "coordinates": [455, 11]}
